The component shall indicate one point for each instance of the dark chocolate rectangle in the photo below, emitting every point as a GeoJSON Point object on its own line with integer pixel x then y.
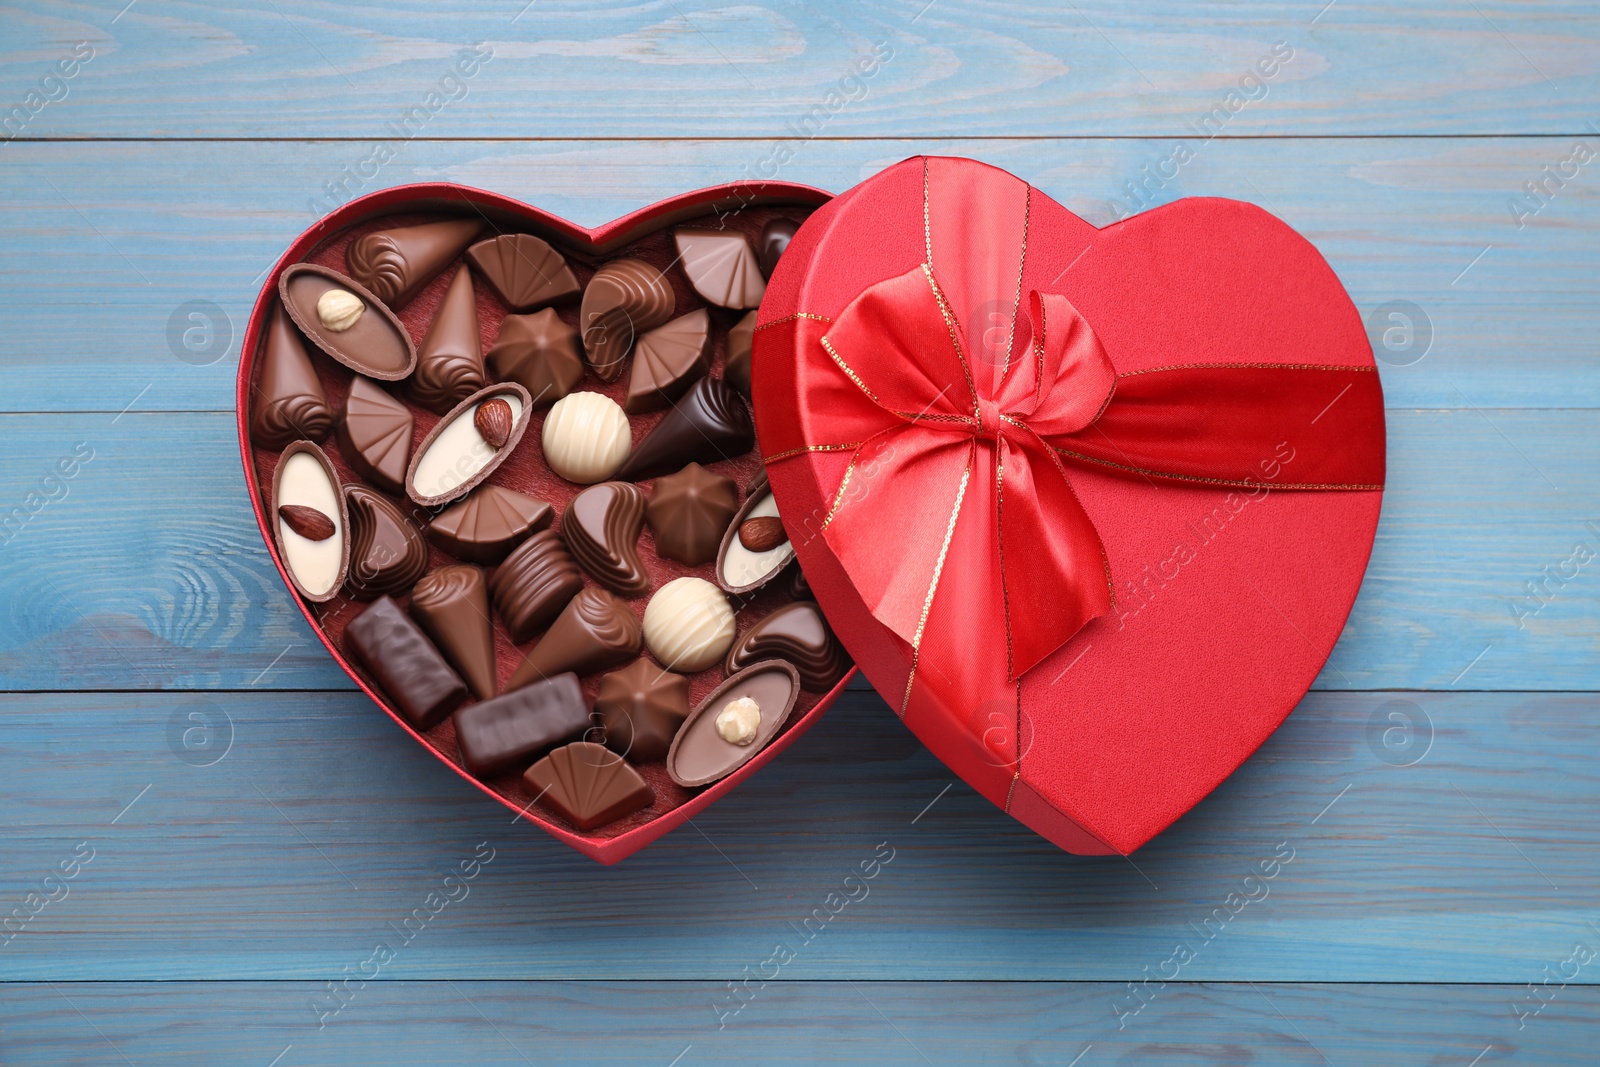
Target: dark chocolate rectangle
{"type": "Point", "coordinates": [396, 652]}
{"type": "Point", "coordinates": [508, 732]}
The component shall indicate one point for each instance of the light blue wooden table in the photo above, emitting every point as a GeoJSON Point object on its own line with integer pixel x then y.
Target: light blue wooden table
{"type": "Point", "coordinates": [241, 827]}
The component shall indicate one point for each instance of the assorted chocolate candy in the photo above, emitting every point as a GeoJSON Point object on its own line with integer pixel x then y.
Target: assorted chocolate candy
{"type": "Point", "coordinates": [606, 620]}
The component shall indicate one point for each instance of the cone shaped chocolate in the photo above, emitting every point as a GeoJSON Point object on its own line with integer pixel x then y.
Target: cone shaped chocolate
{"type": "Point", "coordinates": [523, 270]}
{"type": "Point", "coordinates": [711, 423]}
{"type": "Point", "coordinates": [450, 360]}
{"type": "Point", "coordinates": [289, 402]}
{"type": "Point", "coordinates": [595, 631]}
{"type": "Point", "coordinates": [667, 360]}
{"type": "Point", "coordinates": [452, 605]}
{"type": "Point", "coordinates": [396, 264]}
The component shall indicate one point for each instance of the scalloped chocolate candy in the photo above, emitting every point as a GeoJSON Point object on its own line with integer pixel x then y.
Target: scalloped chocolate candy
{"type": "Point", "coordinates": [523, 270]}
{"type": "Point", "coordinates": [396, 264]}
{"type": "Point", "coordinates": [601, 528]}
{"type": "Point", "coordinates": [688, 625]}
{"type": "Point", "coordinates": [374, 435]}
{"type": "Point", "coordinates": [534, 584]}
{"type": "Point", "coordinates": [721, 266]}
{"type": "Point", "coordinates": [739, 570]}
{"type": "Point", "coordinates": [623, 299]}
{"type": "Point", "coordinates": [588, 785]}
{"type": "Point", "coordinates": [699, 754]}
{"type": "Point", "coordinates": [377, 345]}
{"type": "Point", "coordinates": [689, 512]}
{"type": "Point", "coordinates": [454, 458]}
{"type": "Point", "coordinates": [586, 437]}
{"type": "Point", "coordinates": [595, 631]}
{"type": "Point", "coordinates": [667, 360]}
{"type": "Point", "coordinates": [540, 353]}
{"type": "Point", "coordinates": [487, 525]}
{"type": "Point", "coordinates": [452, 604]}
{"type": "Point", "coordinates": [387, 554]}
{"type": "Point", "coordinates": [289, 402]}
{"type": "Point", "coordinates": [450, 359]}
{"type": "Point", "coordinates": [710, 423]}
{"type": "Point", "coordinates": [736, 364]}
{"type": "Point", "coordinates": [305, 479]}
{"type": "Point", "coordinates": [799, 634]}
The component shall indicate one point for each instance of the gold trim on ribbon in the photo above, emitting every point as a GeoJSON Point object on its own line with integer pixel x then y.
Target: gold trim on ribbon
{"type": "Point", "coordinates": [1245, 366]}
{"type": "Point", "coordinates": [933, 586]}
{"type": "Point", "coordinates": [927, 225]}
{"type": "Point", "coordinates": [844, 483]}
{"type": "Point", "coordinates": [1016, 297]}
{"type": "Point", "coordinates": [803, 449]}
{"type": "Point", "coordinates": [828, 347]}
{"type": "Point", "coordinates": [955, 337]}
{"type": "Point", "coordinates": [1015, 777]}
{"type": "Point", "coordinates": [791, 318]}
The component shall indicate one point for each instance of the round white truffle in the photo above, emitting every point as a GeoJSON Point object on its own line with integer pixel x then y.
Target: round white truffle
{"type": "Point", "coordinates": [586, 437]}
{"type": "Point", "coordinates": [688, 625]}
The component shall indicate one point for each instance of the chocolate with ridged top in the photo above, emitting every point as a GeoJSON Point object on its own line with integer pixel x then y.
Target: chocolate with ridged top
{"type": "Point", "coordinates": [667, 360]}
{"type": "Point", "coordinates": [387, 554]}
{"type": "Point", "coordinates": [288, 402]}
{"type": "Point", "coordinates": [625, 298]}
{"type": "Point", "coordinates": [587, 785]}
{"type": "Point", "coordinates": [798, 633]}
{"type": "Point", "coordinates": [452, 604]}
{"type": "Point", "coordinates": [523, 271]}
{"type": "Point", "coordinates": [488, 524]}
{"type": "Point", "coordinates": [736, 364]}
{"type": "Point", "coordinates": [535, 582]}
{"type": "Point", "coordinates": [450, 359]}
{"type": "Point", "coordinates": [540, 353]}
{"type": "Point", "coordinates": [640, 709]}
{"type": "Point", "coordinates": [689, 512]}
{"type": "Point", "coordinates": [601, 528]}
{"type": "Point", "coordinates": [375, 435]}
{"type": "Point", "coordinates": [397, 264]}
{"type": "Point", "coordinates": [389, 646]}
{"type": "Point", "coordinates": [507, 732]}
{"type": "Point", "coordinates": [709, 424]}
{"type": "Point", "coordinates": [595, 631]}
{"type": "Point", "coordinates": [721, 266]}
{"type": "Point", "coordinates": [774, 242]}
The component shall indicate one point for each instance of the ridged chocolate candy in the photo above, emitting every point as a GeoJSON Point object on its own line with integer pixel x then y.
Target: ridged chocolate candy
{"type": "Point", "coordinates": [640, 709]}
{"type": "Point", "coordinates": [288, 402]}
{"type": "Point", "coordinates": [375, 435]}
{"type": "Point", "coordinates": [595, 631]}
{"type": "Point", "coordinates": [487, 525]}
{"type": "Point", "coordinates": [797, 633]}
{"type": "Point", "coordinates": [387, 553]}
{"type": "Point", "coordinates": [625, 298]}
{"type": "Point", "coordinates": [523, 271]}
{"type": "Point", "coordinates": [721, 266]}
{"type": "Point", "coordinates": [450, 359]}
{"type": "Point", "coordinates": [588, 785]}
{"type": "Point", "coordinates": [535, 582]}
{"type": "Point", "coordinates": [667, 360]}
{"type": "Point", "coordinates": [601, 528]}
{"type": "Point", "coordinates": [452, 605]}
{"type": "Point", "coordinates": [689, 512]}
{"type": "Point", "coordinates": [397, 264]}
{"type": "Point", "coordinates": [688, 625]}
{"type": "Point", "coordinates": [736, 364]}
{"type": "Point", "coordinates": [709, 424]}
{"type": "Point", "coordinates": [539, 352]}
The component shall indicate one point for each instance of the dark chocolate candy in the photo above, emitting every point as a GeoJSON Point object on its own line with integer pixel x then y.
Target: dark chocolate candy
{"type": "Point", "coordinates": [721, 266]}
{"type": "Point", "coordinates": [376, 344]}
{"type": "Point", "coordinates": [700, 756]}
{"type": "Point", "coordinates": [625, 298]}
{"type": "Point", "coordinates": [595, 631]}
{"type": "Point", "coordinates": [535, 582]}
{"type": "Point", "coordinates": [667, 360]}
{"type": "Point", "coordinates": [397, 264]}
{"type": "Point", "coordinates": [774, 242]}
{"type": "Point", "coordinates": [601, 528]}
{"type": "Point", "coordinates": [389, 646]}
{"type": "Point", "coordinates": [317, 565]}
{"type": "Point", "coordinates": [375, 435]}
{"type": "Point", "coordinates": [523, 271]}
{"type": "Point", "coordinates": [587, 785]}
{"type": "Point", "coordinates": [540, 353]}
{"type": "Point", "coordinates": [640, 709]}
{"type": "Point", "coordinates": [689, 512]}
{"type": "Point", "coordinates": [709, 424]}
{"type": "Point", "coordinates": [487, 525]}
{"type": "Point", "coordinates": [387, 554]}
{"type": "Point", "coordinates": [452, 604]}
{"type": "Point", "coordinates": [507, 732]}
{"type": "Point", "coordinates": [450, 359]}
{"type": "Point", "coordinates": [288, 402]}
{"type": "Point", "coordinates": [736, 364]}
{"type": "Point", "coordinates": [798, 633]}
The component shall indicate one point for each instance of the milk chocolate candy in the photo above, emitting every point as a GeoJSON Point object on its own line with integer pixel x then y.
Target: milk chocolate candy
{"type": "Point", "coordinates": [595, 631]}
{"type": "Point", "coordinates": [540, 353]}
{"type": "Point", "coordinates": [587, 785]}
{"type": "Point", "coordinates": [736, 364]}
{"type": "Point", "coordinates": [454, 458]}
{"type": "Point", "coordinates": [375, 435]}
{"type": "Point", "coordinates": [640, 709]}
{"type": "Point", "coordinates": [452, 604]}
{"type": "Point", "coordinates": [625, 298]}
{"type": "Point", "coordinates": [304, 479]}
{"type": "Point", "coordinates": [799, 634]}
{"type": "Point", "coordinates": [534, 584]}
{"type": "Point", "coordinates": [390, 647]}
{"type": "Point", "coordinates": [709, 424]}
{"type": "Point", "coordinates": [721, 266]}
{"type": "Point", "coordinates": [601, 528]}
{"type": "Point", "coordinates": [487, 525]}
{"type": "Point", "coordinates": [396, 264]}
{"type": "Point", "coordinates": [288, 402]}
{"type": "Point", "coordinates": [775, 238]}
{"type": "Point", "coordinates": [523, 271]}
{"type": "Point", "coordinates": [387, 554]}
{"type": "Point", "coordinates": [375, 344]}
{"type": "Point", "coordinates": [699, 754]}
{"type": "Point", "coordinates": [450, 360]}
{"type": "Point", "coordinates": [740, 568]}
{"type": "Point", "coordinates": [667, 360]}
{"type": "Point", "coordinates": [511, 730]}
{"type": "Point", "coordinates": [689, 512]}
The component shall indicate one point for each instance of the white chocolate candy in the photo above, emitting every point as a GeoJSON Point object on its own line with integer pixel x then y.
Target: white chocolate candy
{"type": "Point", "coordinates": [315, 564]}
{"type": "Point", "coordinates": [742, 567]}
{"type": "Point", "coordinates": [738, 721]}
{"type": "Point", "coordinates": [339, 309]}
{"type": "Point", "coordinates": [459, 451]}
{"type": "Point", "coordinates": [586, 437]}
{"type": "Point", "coordinates": [688, 625]}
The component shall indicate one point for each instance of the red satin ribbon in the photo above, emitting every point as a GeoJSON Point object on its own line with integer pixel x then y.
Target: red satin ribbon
{"type": "Point", "coordinates": [956, 518]}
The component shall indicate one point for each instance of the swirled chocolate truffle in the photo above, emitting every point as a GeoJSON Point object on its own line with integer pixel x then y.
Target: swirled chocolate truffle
{"type": "Point", "coordinates": [625, 298]}
{"type": "Point", "coordinates": [450, 360]}
{"type": "Point", "coordinates": [798, 633]}
{"type": "Point", "coordinates": [397, 264]}
{"type": "Point", "coordinates": [535, 582]}
{"type": "Point", "coordinates": [288, 401]}
{"type": "Point", "coordinates": [387, 553]}
{"type": "Point", "coordinates": [601, 528]}
{"type": "Point", "coordinates": [595, 631]}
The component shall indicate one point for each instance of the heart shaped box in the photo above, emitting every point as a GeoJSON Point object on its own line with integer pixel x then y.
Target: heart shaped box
{"type": "Point", "coordinates": [1228, 598]}
{"type": "Point", "coordinates": [512, 216]}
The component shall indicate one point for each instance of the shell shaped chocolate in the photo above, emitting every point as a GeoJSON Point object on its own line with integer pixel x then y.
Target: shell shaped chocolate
{"type": "Point", "coordinates": [601, 528]}
{"type": "Point", "coordinates": [488, 524]}
{"type": "Point", "coordinates": [387, 553]}
{"type": "Point", "coordinates": [625, 298]}
{"type": "Point", "coordinates": [534, 584]}
{"type": "Point", "coordinates": [523, 270]}
{"type": "Point", "coordinates": [721, 266]}
{"type": "Point", "coordinates": [588, 785]}
{"type": "Point", "coordinates": [374, 435]}
{"type": "Point", "coordinates": [667, 360]}
{"type": "Point", "coordinates": [796, 633]}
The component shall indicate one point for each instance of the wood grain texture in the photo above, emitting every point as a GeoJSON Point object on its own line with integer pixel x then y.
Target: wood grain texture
{"type": "Point", "coordinates": [93, 235]}
{"type": "Point", "coordinates": [149, 573]}
{"type": "Point", "coordinates": [319, 829]}
{"type": "Point", "coordinates": [957, 67]}
{"type": "Point", "coordinates": [893, 1024]}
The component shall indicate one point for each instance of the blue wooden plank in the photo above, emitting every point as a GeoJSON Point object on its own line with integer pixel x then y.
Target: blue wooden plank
{"type": "Point", "coordinates": [917, 1025]}
{"type": "Point", "coordinates": [952, 67]}
{"type": "Point", "coordinates": [150, 573]}
{"type": "Point", "coordinates": [1454, 844]}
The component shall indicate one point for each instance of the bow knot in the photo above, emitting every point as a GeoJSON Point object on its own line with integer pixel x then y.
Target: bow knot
{"type": "Point", "coordinates": [988, 425]}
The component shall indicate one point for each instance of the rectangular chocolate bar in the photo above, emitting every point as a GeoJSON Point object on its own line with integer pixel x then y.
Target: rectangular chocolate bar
{"type": "Point", "coordinates": [396, 652]}
{"type": "Point", "coordinates": [506, 733]}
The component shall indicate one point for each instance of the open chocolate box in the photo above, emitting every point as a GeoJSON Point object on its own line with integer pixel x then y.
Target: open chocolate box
{"type": "Point", "coordinates": [418, 367]}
